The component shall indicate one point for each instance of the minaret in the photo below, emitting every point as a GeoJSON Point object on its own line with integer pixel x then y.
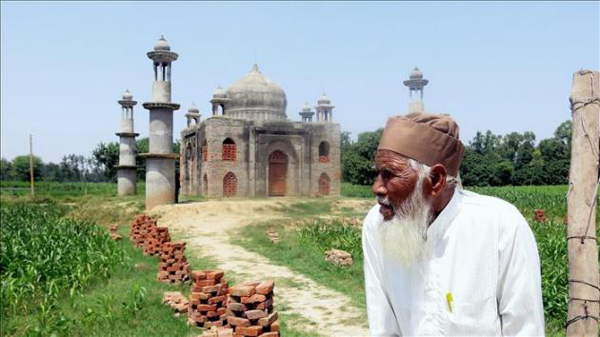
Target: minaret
{"type": "Point", "coordinates": [193, 116]}
{"type": "Point", "coordinates": [324, 109]}
{"type": "Point", "coordinates": [160, 159]}
{"type": "Point", "coordinates": [306, 114]}
{"type": "Point", "coordinates": [219, 99]}
{"type": "Point", "coordinates": [416, 83]}
{"type": "Point", "coordinates": [126, 170]}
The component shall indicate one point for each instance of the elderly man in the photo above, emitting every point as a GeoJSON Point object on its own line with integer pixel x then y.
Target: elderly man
{"type": "Point", "coordinates": [439, 260]}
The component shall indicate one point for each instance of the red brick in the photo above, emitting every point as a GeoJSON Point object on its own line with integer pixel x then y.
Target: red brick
{"type": "Point", "coordinates": [242, 291]}
{"type": "Point", "coordinates": [255, 314]}
{"type": "Point", "coordinates": [236, 306]}
{"type": "Point", "coordinates": [212, 314]}
{"type": "Point", "coordinates": [204, 283]}
{"type": "Point", "coordinates": [198, 275]}
{"type": "Point", "coordinates": [215, 274]}
{"type": "Point", "coordinates": [209, 324]}
{"type": "Point", "coordinates": [267, 321]}
{"type": "Point", "coordinates": [270, 334]}
{"type": "Point", "coordinates": [211, 289]}
{"type": "Point", "coordinates": [254, 330]}
{"type": "Point", "coordinates": [256, 298]}
{"type": "Point", "coordinates": [196, 295]}
{"type": "Point", "coordinates": [207, 307]}
{"type": "Point", "coordinates": [265, 287]}
{"type": "Point", "coordinates": [216, 299]}
{"type": "Point", "coordinates": [250, 283]}
{"type": "Point", "coordinates": [238, 321]}
{"type": "Point", "coordinates": [265, 305]}
{"type": "Point", "coordinates": [275, 326]}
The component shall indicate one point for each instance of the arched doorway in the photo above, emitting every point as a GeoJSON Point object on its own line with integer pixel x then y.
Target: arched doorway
{"type": "Point", "coordinates": [230, 185]}
{"type": "Point", "coordinates": [278, 164]}
{"type": "Point", "coordinates": [324, 184]}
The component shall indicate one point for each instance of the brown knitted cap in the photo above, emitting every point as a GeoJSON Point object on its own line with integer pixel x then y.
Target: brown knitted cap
{"type": "Point", "coordinates": [428, 138]}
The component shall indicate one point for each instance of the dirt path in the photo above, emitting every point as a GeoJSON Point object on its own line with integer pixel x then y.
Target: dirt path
{"type": "Point", "coordinates": [205, 226]}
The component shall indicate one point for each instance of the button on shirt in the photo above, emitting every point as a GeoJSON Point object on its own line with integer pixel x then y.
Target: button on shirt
{"type": "Point", "coordinates": [481, 275]}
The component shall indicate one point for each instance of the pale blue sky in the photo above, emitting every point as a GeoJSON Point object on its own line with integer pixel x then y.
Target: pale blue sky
{"type": "Point", "coordinates": [503, 66]}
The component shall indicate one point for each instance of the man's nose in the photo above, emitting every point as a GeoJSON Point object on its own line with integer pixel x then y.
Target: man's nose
{"type": "Point", "coordinates": [378, 187]}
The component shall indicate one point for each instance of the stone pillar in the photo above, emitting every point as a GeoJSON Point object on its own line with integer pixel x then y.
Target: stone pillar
{"type": "Point", "coordinates": [126, 170]}
{"type": "Point", "coordinates": [160, 160]}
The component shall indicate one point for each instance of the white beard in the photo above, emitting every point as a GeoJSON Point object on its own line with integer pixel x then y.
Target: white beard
{"type": "Point", "coordinates": [404, 236]}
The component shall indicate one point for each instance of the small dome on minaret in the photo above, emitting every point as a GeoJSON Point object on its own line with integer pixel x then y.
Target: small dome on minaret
{"type": "Point", "coordinates": [324, 100]}
{"type": "Point", "coordinates": [306, 107]}
{"type": "Point", "coordinates": [127, 96]}
{"type": "Point", "coordinates": [193, 109]}
{"type": "Point", "coordinates": [162, 44]}
{"type": "Point", "coordinates": [416, 74]}
{"type": "Point", "coordinates": [219, 93]}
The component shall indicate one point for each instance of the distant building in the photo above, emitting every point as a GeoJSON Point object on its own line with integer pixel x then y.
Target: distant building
{"type": "Point", "coordinates": [248, 147]}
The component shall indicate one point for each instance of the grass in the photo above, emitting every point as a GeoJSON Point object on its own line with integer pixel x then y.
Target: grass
{"type": "Point", "coordinates": [306, 256]}
{"type": "Point", "coordinates": [128, 302]}
{"type": "Point", "coordinates": [303, 244]}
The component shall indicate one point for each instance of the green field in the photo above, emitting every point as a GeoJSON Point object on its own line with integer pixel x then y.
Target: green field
{"type": "Point", "coordinates": [76, 282]}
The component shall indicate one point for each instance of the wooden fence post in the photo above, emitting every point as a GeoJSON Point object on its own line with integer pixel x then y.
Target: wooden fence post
{"type": "Point", "coordinates": [582, 243]}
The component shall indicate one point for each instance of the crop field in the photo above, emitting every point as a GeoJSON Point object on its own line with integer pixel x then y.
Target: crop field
{"type": "Point", "coordinates": [61, 190]}
{"type": "Point", "coordinates": [44, 256]}
{"type": "Point", "coordinates": [304, 243]}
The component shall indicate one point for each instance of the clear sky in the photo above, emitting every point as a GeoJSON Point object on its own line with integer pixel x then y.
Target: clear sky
{"type": "Point", "coordinates": [503, 66]}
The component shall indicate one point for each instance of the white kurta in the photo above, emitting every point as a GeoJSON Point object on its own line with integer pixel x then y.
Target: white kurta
{"type": "Point", "coordinates": [482, 255]}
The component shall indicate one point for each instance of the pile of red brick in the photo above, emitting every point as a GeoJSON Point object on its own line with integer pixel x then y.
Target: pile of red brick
{"type": "Point", "coordinates": [208, 299]}
{"type": "Point", "coordinates": [250, 309]}
{"type": "Point", "coordinates": [173, 266]}
{"type": "Point", "coordinates": [155, 239]}
{"type": "Point", "coordinates": [176, 301]}
{"type": "Point", "coordinates": [539, 215]}
{"type": "Point", "coordinates": [140, 228]}
{"type": "Point", "coordinates": [112, 230]}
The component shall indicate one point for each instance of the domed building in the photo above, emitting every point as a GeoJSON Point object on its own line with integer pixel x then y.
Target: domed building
{"type": "Point", "coordinates": [248, 146]}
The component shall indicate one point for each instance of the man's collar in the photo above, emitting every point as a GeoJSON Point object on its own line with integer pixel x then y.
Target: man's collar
{"type": "Point", "coordinates": [439, 226]}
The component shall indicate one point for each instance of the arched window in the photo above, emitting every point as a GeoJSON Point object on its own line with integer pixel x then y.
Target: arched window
{"type": "Point", "coordinates": [229, 150]}
{"type": "Point", "coordinates": [324, 184]}
{"type": "Point", "coordinates": [204, 151]}
{"type": "Point", "coordinates": [324, 152]}
{"type": "Point", "coordinates": [205, 186]}
{"type": "Point", "coordinates": [230, 185]}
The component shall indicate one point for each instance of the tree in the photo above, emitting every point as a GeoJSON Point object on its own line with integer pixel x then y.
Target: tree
{"type": "Point", "coordinates": [5, 169]}
{"type": "Point", "coordinates": [107, 157]}
{"type": "Point", "coordinates": [52, 172]}
{"type": "Point", "coordinates": [358, 158]}
{"type": "Point", "coordinates": [20, 168]}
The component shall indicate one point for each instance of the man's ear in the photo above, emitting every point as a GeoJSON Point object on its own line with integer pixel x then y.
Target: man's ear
{"type": "Point", "coordinates": [437, 180]}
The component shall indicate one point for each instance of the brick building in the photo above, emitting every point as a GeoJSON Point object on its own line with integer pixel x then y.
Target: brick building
{"type": "Point", "coordinates": [248, 147]}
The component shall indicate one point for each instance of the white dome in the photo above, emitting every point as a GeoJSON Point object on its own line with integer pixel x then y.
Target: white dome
{"type": "Point", "coordinates": [256, 93]}
{"type": "Point", "coordinates": [219, 93]}
{"type": "Point", "coordinates": [162, 44]}
{"type": "Point", "coordinates": [416, 74]}
{"type": "Point", "coordinates": [306, 107]}
{"type": "Point", "coordinates": [127, 96]}
{"type": "Point", "coordinates": [194, 109]}
{"type": "Point", "coordinates": [324, 100]}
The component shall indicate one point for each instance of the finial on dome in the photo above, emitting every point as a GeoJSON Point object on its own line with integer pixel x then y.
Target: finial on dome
{"type": "Point", "coordinates": [255, 69]}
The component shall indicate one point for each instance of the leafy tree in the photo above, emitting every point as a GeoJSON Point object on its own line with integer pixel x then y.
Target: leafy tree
{"type": "Point", "coordinates": [52, 172]}
{"type": "Point", "coordinates": [5, 169]}
{"type": "Point", "coordinates": [358, 158]}
{"type": "Point", "coordinates": [20, 168]}
{"type": "Point", "coordinates": [107, 157]}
